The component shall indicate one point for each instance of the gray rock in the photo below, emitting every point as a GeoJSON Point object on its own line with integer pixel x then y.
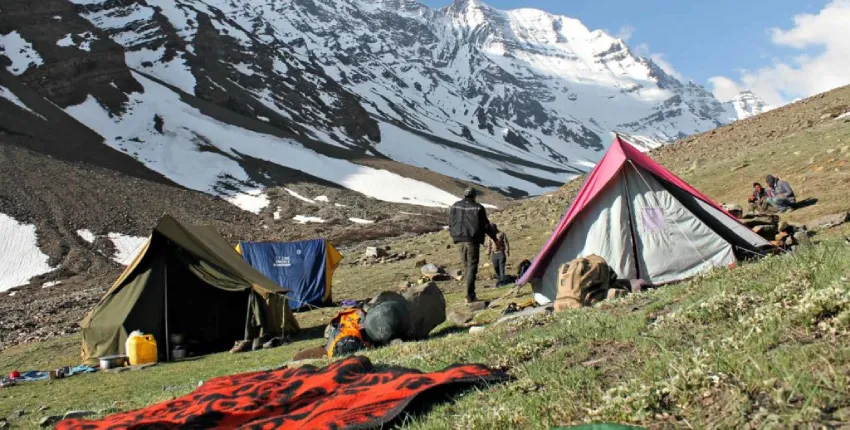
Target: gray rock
{"type": "Point", "coordinates": [830, 221]}
{"type": "Point", "coordinates": [49, 421]}
{"type": "Point", "coordinates": [4, 424]}
{"type": "Point", "coordinates": [19, 413]}
{"type": "Point", "coordinates": [459, 318]}
{"type": "Point", "coordinates": [476, 306]}
{"type": "Point", "coordinates": [78, 414]}
{"type": "Point", "coordinates": [375, 252]}
{"type": "Point", "coordinates": [525, 313]}
{"type": "Point", "coordinates": [428, 309]}
{"type": "Point", "coordinates": [420, 263]}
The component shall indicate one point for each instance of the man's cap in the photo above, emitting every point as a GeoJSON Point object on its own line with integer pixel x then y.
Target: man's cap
{"type": "Point", "coordinates": [470, 192]}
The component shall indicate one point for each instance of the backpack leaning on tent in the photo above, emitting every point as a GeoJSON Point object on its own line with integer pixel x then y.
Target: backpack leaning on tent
{"type": "Point", "coordinates": [586, 281]}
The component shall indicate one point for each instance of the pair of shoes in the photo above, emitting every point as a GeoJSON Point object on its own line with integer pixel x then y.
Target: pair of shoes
{"type": "Point", "coordinates": [241, 346]}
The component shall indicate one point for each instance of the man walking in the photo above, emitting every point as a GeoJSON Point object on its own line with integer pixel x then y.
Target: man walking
{"type": "Point", "coordinates": [468, 226]}
{"type": "Point", "coordinates": [499, 249]}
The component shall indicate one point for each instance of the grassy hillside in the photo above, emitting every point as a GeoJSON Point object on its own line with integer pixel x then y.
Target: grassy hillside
{"type": "Point", "coordinates": [761, 345]}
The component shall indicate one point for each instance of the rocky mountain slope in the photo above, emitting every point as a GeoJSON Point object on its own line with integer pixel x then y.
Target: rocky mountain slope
{"type": "Point", "coordinates": [516, 100]}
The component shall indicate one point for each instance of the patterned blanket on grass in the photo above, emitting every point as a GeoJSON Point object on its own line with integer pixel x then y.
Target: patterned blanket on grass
{"type": "Point", "coordinates": [348, 394]}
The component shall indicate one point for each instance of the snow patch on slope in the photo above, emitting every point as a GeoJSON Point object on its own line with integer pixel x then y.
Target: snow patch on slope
{"type": "Point", "coordinates": [251, 200]}
{"type": "Point", "coordinates": [20, 257]}
{"type": "Point", "coordinates": [304, 219]}
{"type": "Point", "coordinates": [9, 95]}
{"type": "Point", "coordinates": [361, 221]}
{"type": "Point", "coordinates": [409, 148]}
{"type": "Point", "coordinates": [203, 154]}
{"type": "Point", "coordinates": [87, 235]}
{"type": "Point", "coordinates": [21, 52]}
{"type": "Point", "coordinates": [299, 196]}
{"type": "Point", "coordinates": [126, 247]}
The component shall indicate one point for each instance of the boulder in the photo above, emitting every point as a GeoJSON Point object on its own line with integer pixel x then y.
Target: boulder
{"type": "Point", "coordinates": [78, 414]}
{"type": "Point", "coordinates": [460, 318]}
{"type": "Point", "coordinates": [420, 263]}
{"type": "Point", "coordinates": [49, 421]}
{"type": "Point", "coordinates": [457, 274]}
{"type": "Point", "coordinates": [830, 221]}
{"type": "Point", "coordinates": [387, 321]}
{"type": "Point", "coordinates": [428, 309]}
{"type": "Point", "coordinates": [375, 252]}
{"type": "Point", "coordinates": [476, 306]}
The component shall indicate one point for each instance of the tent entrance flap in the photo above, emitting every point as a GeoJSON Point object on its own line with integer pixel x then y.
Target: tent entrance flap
{"type": "Point", "coordinates": [209, 319]}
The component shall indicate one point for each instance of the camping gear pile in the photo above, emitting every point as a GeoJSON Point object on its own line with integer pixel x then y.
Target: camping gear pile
{"type": "Point", "coordinates": [16, 377]}
{"type": "Point", "coordinates": [186, 279]}
{"type": "Point", "coordinates": [347, 394]}
{"type": "Point", "coordinates": [388, 317]}
{"type": "Point", "coordinates": [784, 236]}
{"type": "Point", "coordinates": [645, 222]}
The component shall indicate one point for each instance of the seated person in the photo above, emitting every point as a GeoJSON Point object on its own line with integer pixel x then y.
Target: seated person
{"type": "Point", "coordinates": [758, 199]}
{"type": "Point", "coordinates": [780, 195]}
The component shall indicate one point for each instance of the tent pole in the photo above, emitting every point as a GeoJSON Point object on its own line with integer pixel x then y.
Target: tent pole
{"type": "Point", "coordinates": [167, 334]}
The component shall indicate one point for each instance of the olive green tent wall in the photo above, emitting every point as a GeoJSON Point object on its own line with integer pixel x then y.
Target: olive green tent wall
{"type": "Point", "coordinates": [213, 296]}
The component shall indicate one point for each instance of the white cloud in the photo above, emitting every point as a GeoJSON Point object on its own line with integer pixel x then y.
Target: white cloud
{"type": "Point", "coordinates": [625, 32]}
{"type": "Point", "coordinates": [659, 59]}
{"type": "Point", "coordinates": [724, 89]}
{"type": "Point", "coordinates": [822, 65]}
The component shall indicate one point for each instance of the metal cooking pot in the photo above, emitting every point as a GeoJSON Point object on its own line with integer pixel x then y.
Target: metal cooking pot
{"type": "Point", "coordinates": [176, 339]}
{"type": "Point", "coordinates": [112, 361]}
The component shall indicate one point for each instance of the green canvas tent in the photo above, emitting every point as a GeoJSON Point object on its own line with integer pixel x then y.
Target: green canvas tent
{"type": "Point", "coordinates": [188, 280]}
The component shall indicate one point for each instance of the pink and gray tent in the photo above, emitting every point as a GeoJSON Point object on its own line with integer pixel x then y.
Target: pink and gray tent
{"type": "Point", "coordinates": [645, 222]}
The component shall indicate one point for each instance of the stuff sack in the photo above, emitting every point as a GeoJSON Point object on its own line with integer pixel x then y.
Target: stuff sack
{"type": "Point", "coordinates": [344, 333]}
{"type": "Point", "coordinates": [586, 281]}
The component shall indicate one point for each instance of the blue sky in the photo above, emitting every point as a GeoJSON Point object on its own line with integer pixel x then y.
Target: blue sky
{"type": "Point", "coordinates": [709, 40]}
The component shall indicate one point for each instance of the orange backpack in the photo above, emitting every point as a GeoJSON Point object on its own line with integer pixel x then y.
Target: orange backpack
{"type": "Point", "coordinates": [345, 324]}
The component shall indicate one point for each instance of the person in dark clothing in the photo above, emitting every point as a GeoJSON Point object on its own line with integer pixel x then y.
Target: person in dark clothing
{"type": "Point", "coordinates": [499, 249]}
{"type": "Point", "coordinates": [758, 199]}
{"type": "Point", "coordinates": [781, 196]}
{"type": "Point", "coordinates": [468, 225]}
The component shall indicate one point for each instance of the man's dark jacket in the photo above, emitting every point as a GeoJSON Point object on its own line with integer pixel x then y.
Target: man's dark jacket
{"type": "Point", "coordinates": [469, 222]}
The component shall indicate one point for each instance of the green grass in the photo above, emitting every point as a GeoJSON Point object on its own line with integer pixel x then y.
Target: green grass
{"type": "Point", "coordinates": [765, 344]}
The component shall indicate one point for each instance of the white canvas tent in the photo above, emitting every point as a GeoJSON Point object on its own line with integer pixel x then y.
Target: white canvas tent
{"type": "Point", "coordinates": [645, 222]}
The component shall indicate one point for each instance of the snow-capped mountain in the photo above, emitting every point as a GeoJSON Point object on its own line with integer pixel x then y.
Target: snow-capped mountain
{"type": "Point", "coordinates": [745, 105]}
{"type": "Point", "coordinates": [221, 96]}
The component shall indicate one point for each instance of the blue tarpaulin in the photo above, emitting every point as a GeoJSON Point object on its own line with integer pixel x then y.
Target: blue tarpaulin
{"type": "Point", "coordinates": [304, 268]}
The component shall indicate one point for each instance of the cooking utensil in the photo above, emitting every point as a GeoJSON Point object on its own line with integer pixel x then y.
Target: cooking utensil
{"type": "Point", "coordinates": [178, 353]}
{"type": "Point", "coordinates": [112, 361]}
{"type": "Point", "coordinates": [176, 339]}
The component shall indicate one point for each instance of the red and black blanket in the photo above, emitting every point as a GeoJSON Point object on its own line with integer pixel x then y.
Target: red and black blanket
{"type": "Point", "coordinates": [348, 394]}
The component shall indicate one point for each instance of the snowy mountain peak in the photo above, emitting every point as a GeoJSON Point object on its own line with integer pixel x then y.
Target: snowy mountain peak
{"type": "Point", "coordinates": [745, 105]}
{"type": "Point", "coordinates": [519, 100]}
